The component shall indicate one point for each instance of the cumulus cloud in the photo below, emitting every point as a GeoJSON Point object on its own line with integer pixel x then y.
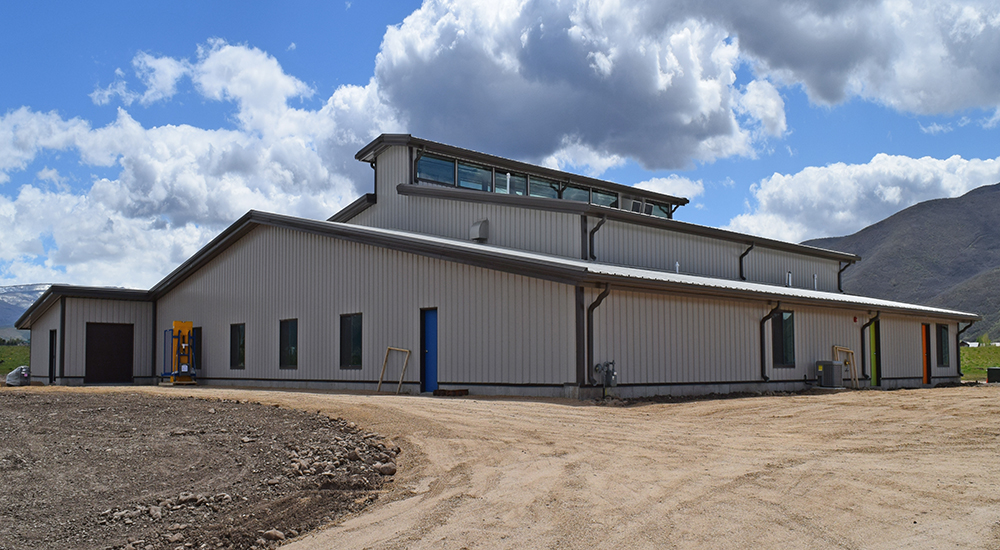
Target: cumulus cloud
{"type": "Point", "coordinates": [655, 81]}
{"type": "Point", "coordinates": [840, 199]}
{"type": "Point", "coordinates": [159, 75]}
{"type": "Point", "coordinates": [674, 185]}
{"type": "Point", "coordinates": [175, 186]}
{"type": "Point", "coordinates": [522, 78]}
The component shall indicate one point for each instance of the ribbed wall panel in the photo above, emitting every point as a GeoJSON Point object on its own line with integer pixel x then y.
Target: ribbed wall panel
{"type": "Point", "coordinates": [40, 341]}
{"type": "Point", "coordinates": [902, 347]}
{"type": "Point", "coordinates": [763, 265]}
{"type": "Point", "coordinates": [493, 327]}
{"type": "Point", "coordinates": [634, 245]}
{"type": "Point", "coordinates": [674, 339]}
{"type": "Point", "coordinates": [560, 234]}
{"type": "Point", "coordinates": [817, 330]}
{"type": "Point", "coordinates": [80, 311]}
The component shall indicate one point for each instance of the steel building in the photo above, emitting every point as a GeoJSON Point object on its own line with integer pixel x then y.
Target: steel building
{"type": "Point", "coordinates": [499, 277]}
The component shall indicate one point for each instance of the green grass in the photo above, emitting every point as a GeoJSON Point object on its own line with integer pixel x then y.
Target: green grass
{"type": "Point", "coordinates": [13, 357]}
{"type": "Point", "coordinates": [975, 361]}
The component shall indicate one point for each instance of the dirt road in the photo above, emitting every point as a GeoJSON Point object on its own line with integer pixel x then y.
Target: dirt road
{"type": "Point", "coordinates": [871, 469]}
{"type": "Point", "coordinates": [913, 469]}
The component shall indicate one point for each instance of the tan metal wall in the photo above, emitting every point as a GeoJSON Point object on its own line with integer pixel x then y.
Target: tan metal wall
{"type": "Point", "coordinates": [80, 311]}
{"type": "Point", "coordinates": [493, 327]}
{"type": "Point", "coordinates": [535, 230]}
{"type": "Point", "coordinates": [40, 342]}
{"type": "Point", "coordinates": [902, 347]}
{"type": "Point", "coordinates": [561, 234]}
{"type": "Point", "coordinates": [675, 339]}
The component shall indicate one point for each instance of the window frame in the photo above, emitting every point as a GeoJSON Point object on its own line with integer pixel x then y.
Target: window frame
{"type": "Point", "coordinates": [351, 341]}
{"type": "Point", "coordinates": [288, 333]}
{"type": "Point", "coordinates": [237, 346]}
{"type": "Point", "coordinates": [782, 323]}
{"type": "Point", "coordinates": [943, 350]}
{"type": "Point", "coordinates": [443, 159]}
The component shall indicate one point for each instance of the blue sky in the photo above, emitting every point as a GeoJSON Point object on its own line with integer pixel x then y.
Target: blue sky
{"type": "Point", "coordinates": [132, 133]}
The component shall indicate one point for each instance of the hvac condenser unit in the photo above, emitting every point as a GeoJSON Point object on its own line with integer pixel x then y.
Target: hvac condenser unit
{"type": "Point", "coordinates": [830, 374]}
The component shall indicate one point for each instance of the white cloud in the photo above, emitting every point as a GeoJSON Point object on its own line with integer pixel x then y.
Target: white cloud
{"type": "Point", "coordinates": [177, 186]}
{"type": "Point", "coordinates": [520, 78]}
{"type": "Point", "coordinates": [160, 76]}
{"type": "Point", "coordinates": [763, 102]}
{"type": "Point", "coordinates": [841, 199]}
{"type": "Point", "coordinates": [674, 185]}
{"type": "Point", "coordinates": [655, 81]}
{"type": "Point", "coordinates": [574, 155]}
{"type": "Point", "coordinates": [50, 175]}
{"type": "Point", "coordinates": [935, 128]}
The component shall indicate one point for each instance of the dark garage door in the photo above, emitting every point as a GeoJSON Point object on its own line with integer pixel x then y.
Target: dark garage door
{"type": "Point", "coordinates": [109, 353]}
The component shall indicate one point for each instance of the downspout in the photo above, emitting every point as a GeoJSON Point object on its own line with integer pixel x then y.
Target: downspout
{"type": "Point", "coordinates": [863, 353]}
{"type": "Point", "coordinates": [958, 347]}
{"type": "Point", "coordinates": [743, 276]}
{"type": "Point", "coordinates": [590, 243]}
{"type": "Point", "coordinates": [763, 342]}
{"type": "Point", "coordinates": [840, 275]}
{"type": "Point", "coordinates": [375, 168]}
{"type": "Point", "coordinates": [590, 330]}
{"type": "Point", "coordinates": [153, 346]}
{"type": "Point", "coordinates": [413, 169]}
{"type": "Point", "coordinates": [62, 340]}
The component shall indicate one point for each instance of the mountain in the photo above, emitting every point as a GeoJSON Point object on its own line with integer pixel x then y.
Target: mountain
{"type": "Point", "coordinates": [14, 301]}
{"type": "Point", "coordinates": [943, 253]}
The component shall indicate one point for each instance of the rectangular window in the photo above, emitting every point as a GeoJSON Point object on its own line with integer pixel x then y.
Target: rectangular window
{"type": "Point", "coordinates": [289, 344]}
{"type": "Point", "coordinates": [576, 193]}
{"type": "Point", "coordinates": [237, 346]}
{"type": "Point", "coordinates": [942, 346]}
{"type": "Point", "coordinates": [471, 176]}
{"type": "Point", "coordinates": [540, 187]}
{"type": "Point", "coordinates": [518, 184]}
{"type": "Point", "coordinates": [501, 182]}
{"type": "Point", "coordinates": [196, 344]}
{"type": "Point", "coordinates": [659, 210]}
{"type": "Point", "coordinates": [783, 339]}
{"type": "Point", "coordinates": [350, 341]}
{"type": "Point", "coordinates": [436, 169]}
{"type": "Point", "coordinates": [604, 198]}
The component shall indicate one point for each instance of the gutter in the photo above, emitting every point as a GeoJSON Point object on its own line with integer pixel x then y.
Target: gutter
{"type": "Point", "coordinates": [590, 330]}
{"type": "Point", "coordinates": [840, 275]}
{"type": "Point", "coordinates": [863, 353]}
{"type": "Point", "coordinates": [743, 276]}
{"type": "Point", "coordinates": [958, 347]}
{"type": "Point", "coordinates": [590, 244]}
{"type": "Point", "coordinates": [763, 342]}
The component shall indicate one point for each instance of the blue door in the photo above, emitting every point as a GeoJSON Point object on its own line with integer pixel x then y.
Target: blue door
{"type": "Point", "coordinates": [429, 345]}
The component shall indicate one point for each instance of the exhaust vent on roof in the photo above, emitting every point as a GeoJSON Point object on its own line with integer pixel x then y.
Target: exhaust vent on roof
{"type": "Point", "coordinates": [480, 231]}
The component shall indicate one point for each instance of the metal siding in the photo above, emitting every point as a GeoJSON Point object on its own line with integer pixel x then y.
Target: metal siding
{"type": "Point", "coordinates": [633, 245]}
{"type": "Point", "coordinates": [902, 346]}
{"type": "Point", "coordinates": [559, 234]}
{"type": "Point", "coordinates": [675, 339]}
{"type": "Point", "coordinates": [817, 330]}
{"type": "Point", "coordinates": [80, 311]}
{"type": "Point", "coordinates": [40, 341]}
{"type": "Point", "coordinates": [772, 266]}
{"type": "Point", "coordinates": [273, 274]}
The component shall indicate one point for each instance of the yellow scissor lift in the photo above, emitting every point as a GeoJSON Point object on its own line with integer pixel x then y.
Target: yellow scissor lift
{"type": "Point", "coordinates": [179, 353]}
